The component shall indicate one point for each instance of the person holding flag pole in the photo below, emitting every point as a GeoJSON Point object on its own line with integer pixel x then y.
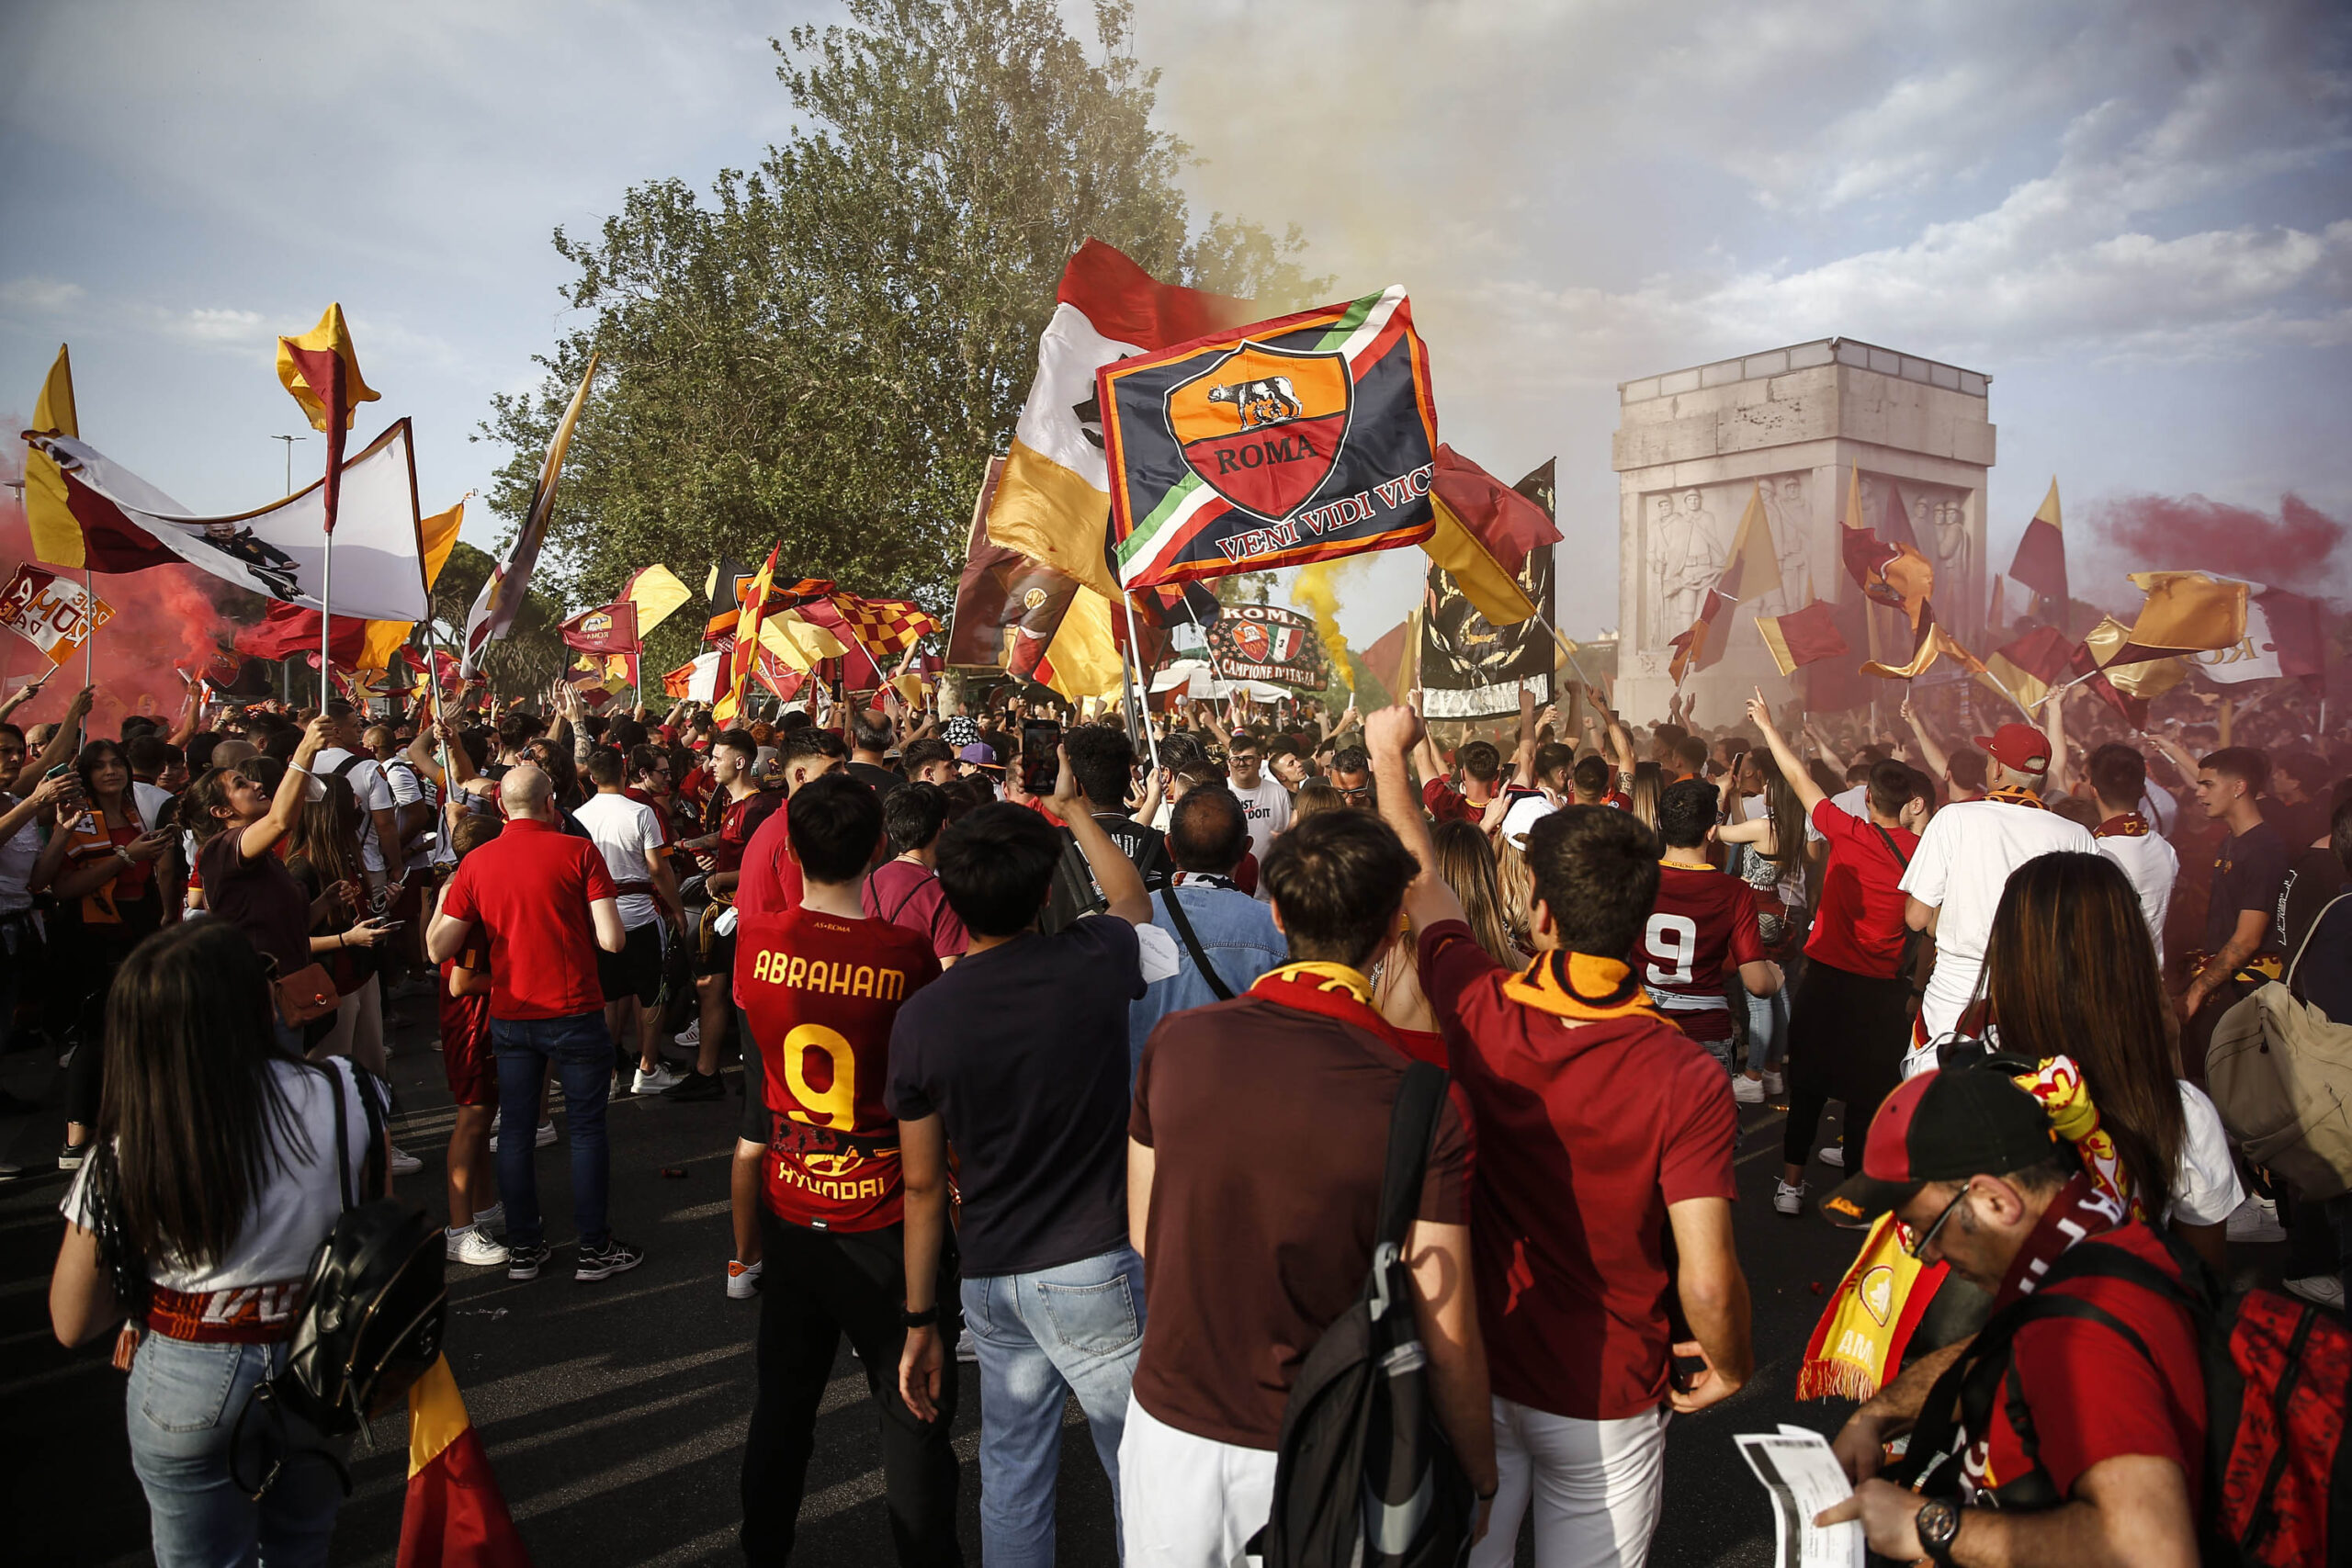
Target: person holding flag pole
{"type": "Point", "coordinates": [321, 371]}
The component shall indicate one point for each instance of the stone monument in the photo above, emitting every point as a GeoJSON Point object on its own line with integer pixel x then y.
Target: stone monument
{"type": "Point", "coordinates": [1692, 446]}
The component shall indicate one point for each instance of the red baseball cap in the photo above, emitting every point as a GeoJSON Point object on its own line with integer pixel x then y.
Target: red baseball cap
{"type": "Point", "coordinates": [1943, 1126]}
{"type": "Point", "coordinates": [2019, 746]}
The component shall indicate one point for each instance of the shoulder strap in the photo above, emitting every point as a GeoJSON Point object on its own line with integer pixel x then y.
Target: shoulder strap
{"type": "Point", "coordinates": [343, 768]}
{"type": "Point", "coordinates": [1183, 923]}
{"type": "Point", "coordinates": [1892, 847]}
{"type": "Point", "coordinates": [342, 1136]}
{"type": "Point", "coordinates": [910, 896]}
{"type": "Point", "coordinates": [1410, 1122]}
{"type": "Point", "coordinates": [2288, 975]}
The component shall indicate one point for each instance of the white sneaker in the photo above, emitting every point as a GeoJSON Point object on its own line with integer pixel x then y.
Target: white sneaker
{"type": "Point", "coordinates": [1775, 1086]}
{"type": "Point", "coordinates": [690, 1036]}
{"type": "Point", "coordinates": [546, 1134]}
{"type": "Point", "coordinates": [1746, 1090]}
{"type": "Point", "coordinates": [965, 1349]}
{"type": "Point", "coordinates": [1832, 1155]}
{"type": "Point", "coordinates": [491, 1218]}
{"type": "Point", "coordinates": [405, 1163]}
{"type": "Point", "coordinates": [655, 1082]}
{"type": "Point", "coordinates": [2325, 1290]}
{"type": "Point", "coordinates": [475, 1250]}
{"type": "Point", "coordinates": [1788, 1200]}
{"type": "Point", "coordinates": [2256, 1220]}
{"type": "Point", "coordinates": [743, 1280]}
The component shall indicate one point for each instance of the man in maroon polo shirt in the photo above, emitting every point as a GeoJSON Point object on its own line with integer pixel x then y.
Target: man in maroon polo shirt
{"type": "Point", "coordinates": [547, 903]}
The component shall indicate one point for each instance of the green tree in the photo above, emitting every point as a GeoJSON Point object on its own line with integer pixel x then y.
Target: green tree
{"type": "Point", "coordinates": [826, 350]}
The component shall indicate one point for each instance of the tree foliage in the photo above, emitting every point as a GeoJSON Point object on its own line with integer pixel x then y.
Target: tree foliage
{"type": "Point", "coordinates": [826, 349]}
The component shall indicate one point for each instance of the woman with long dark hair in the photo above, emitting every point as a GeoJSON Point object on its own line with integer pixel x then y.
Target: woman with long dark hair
{"type": "Point", "coordinates": [1768, 855]}
{"type": "Point", "coordinates": [213, 1180]}
{"type": "Point", "coordinates": [1649, 782]}
{"type": "Point", "coordinates": [2070, 967]}
{"type": "Point", "coordinates": [102, 867]}
{"type": "Point", "coordinates": [1465, 861]}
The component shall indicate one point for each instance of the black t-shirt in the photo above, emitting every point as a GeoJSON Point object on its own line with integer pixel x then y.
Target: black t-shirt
{"type": "Point", "coordinates": [2323, 975]}
{"type": "Point", "coordinates": [2248, 870]}
{"type": "Point", "coordinates": [881, 781]}
{"type": "Point", "coordinates": [1022, 1053]}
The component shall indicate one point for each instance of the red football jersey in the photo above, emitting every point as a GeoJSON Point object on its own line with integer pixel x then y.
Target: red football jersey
{"type": "Point", "coordinates": [821, 992]}
{"type": "Point", "coordinates": [1703, 922]}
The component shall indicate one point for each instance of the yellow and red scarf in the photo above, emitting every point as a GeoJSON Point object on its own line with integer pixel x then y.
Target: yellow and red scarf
{"type": "Point", "coordinates": [2010, 794]}
{"type": "Point", "coordinates": [2130, 824]}
{"type": "Point", "coordinates": [1327, 990]}
{"type": "Point", "coordinates": [1582, 986]}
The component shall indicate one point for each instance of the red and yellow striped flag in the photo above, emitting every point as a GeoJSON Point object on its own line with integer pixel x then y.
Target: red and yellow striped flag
{"type": "Point", "coordinates": [455, 1517]}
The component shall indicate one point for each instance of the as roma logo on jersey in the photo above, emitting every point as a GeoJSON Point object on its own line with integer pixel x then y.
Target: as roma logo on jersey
{"type": "Point", "coordinates": [1263, 426]}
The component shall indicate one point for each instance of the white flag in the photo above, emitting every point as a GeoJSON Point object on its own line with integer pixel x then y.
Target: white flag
{"type": "Point", "coordinates": [500, 599]}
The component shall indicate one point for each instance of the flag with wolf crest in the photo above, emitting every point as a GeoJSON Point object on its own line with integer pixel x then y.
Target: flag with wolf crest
{"type": "Point", "coordinates": [1299, 439]}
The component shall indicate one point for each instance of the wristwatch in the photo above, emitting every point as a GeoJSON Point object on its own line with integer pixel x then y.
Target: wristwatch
{"type": "Point", "coordinates": [1937, 1525]}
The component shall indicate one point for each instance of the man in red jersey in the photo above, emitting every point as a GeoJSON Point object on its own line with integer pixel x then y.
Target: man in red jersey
{"type": "Point", "coordinates": [1602, 1131]}
{"type": "Point", "coordinates": [821, 983]}
{"type": "Point", "coordinates": [735, 814]}
{"type": "Point", "coordinates": [1703, 922]}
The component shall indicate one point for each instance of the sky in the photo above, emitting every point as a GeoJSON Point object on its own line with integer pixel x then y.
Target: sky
{"type": "Point", "coordinates": [2136, 217]}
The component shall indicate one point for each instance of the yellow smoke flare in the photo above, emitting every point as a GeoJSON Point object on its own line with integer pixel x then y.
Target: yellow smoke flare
{"type": "Point", "coordinates": [1315, 593]}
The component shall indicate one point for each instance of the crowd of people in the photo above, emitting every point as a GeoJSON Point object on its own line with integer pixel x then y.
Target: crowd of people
{"type": "Point", "coordinates": [1081, 1065]}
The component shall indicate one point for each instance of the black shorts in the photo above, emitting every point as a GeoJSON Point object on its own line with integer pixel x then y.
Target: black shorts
{"type": "Point", "coordinates": [636, 969]}
{"type": "Point", "coordinates": [713, 952]}
{"type": "Point", "coordinates": [756, 1115]}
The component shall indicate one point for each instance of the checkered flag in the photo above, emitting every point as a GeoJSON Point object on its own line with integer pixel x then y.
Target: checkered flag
{"type": "Point", "coordinates": [885, 627]}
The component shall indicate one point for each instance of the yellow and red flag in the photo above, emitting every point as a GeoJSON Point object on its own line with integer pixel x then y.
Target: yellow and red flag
{"type": "Point", "coordinates": [1802, 637]}
{"type": "Point", "coordinates": [321, 369]}
{"type": "Point", "coordinates": [2041, 560]}
{"type": "Point", "coordinates": [1484, 532]}
{"type": "Point", "coordinates": [454, 1516]}
{"type": "Point", "coordinates": [885, 627]}
{"type": "Point", "coordinates": [744, 655]}
{"type": "Point", "coordinates": [1752, 569]}
{"type": "Point", "coordinates": [500, 599]}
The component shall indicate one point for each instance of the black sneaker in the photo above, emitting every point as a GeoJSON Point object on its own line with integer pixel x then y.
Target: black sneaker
{"type": "Point", "coordinates": [523, 1262]}
{"type": "Point", "coordinates": [616, 1257]}
{"type": "Point", "coordinates": [70, 1157]}
{"type": "Point", "coordinates": [695, 1085]}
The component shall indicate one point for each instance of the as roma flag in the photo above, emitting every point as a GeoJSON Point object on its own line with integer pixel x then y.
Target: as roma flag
{"type": "Point", "coordinates": [607, 628]}
{"type": "Point", "coordinates": [1299, 439]}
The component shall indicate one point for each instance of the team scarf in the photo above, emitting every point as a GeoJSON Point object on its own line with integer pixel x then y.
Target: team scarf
{"type": "Point", "coordinates": [2130, 824]}
{"type": "Point", "coordinates": [1583, 986]}
{"type": "Point", "coordinates": [1205, 879]}
{"type": "Point", "coordinates": [1870, 1320]}
{"type": "Point", "coordinates": [1327, 990]}
{"type": "Point", "coordinates": [2011, 794]}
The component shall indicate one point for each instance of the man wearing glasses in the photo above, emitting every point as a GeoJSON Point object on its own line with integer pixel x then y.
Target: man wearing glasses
{"type": "Point", "coordinates": [1263, 800]}
{"type": "Point", "coordinates": [2102, 1355]}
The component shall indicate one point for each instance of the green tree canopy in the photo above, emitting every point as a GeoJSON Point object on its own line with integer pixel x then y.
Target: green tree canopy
{"type": "Point", "coordinates": [826, 350]}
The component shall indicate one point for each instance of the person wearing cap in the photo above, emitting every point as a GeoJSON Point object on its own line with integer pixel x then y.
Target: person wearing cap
{"type": "Point", "coordinates": [978, 759]}
{"type": "Point", "coordinates": [2107, 1467]}
{"type": "Point", "coordinates": [1953, 882]}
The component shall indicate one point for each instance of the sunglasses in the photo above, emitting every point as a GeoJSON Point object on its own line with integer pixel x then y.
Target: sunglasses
{"type": "Point", "coordinates": [1920, 1245]}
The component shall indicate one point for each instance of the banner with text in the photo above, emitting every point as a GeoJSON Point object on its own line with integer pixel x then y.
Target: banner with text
{"type": "Point", "coordinates": [54, 614]}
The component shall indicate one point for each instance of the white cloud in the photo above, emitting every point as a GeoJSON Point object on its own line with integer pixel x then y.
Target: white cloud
{"type": "Point", "coordinates": [38, 295]}
{"type": "Point", "coordinates": [239, 328]}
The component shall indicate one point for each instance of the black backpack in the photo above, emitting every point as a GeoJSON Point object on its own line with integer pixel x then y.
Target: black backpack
{"type": "Point", "coordinates": [2277, 1471]}
{"type": "Point", "coordinates": [1363, 1477]}
{"type": "Point", "coordinates": [374, 1310]}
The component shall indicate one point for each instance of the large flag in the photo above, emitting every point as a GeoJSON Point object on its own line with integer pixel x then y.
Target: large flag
{"type": "Point", "coordinates": [501, 594]}
{"type": "Point", "coordinates": [1893, 574]}
{"type": "Point", "coordinates": [322, 370]}
{"type": "Point", "coordinates": [1052, 503]}
{"type": "Point", "coordinates": [2041, 560]}
{"type": "Point", "coordinates": [696, 679]}
{"type": "Point", "coordinates": [723, 593]}
{"type": "Point", "coordinates": [1304, 438]}
{"type": "Point", "coordinates": [1083, 659]}
{"type": "Point", "coordinates": [54, 614]}
{"type": "Point", "coordinates": [2185, 612]}
{"type": "Point", "coordinates": [288, 630]}
{"type": "Point", "coordinates": [2128, 688]}
{"type": "Point", "coordinates": [2284, 636]}
{"type": "Point", "coordinates": [884, 628]}
{"type": "Point", "coordinates": [744, 655]}
{"type": "Point", "coordinates": [1802, 637]}
{"type": "Point", "coordinates": [49, 513]}
{"type": "Point", "coordinates": [657, 594]}
{"type": "Point", "coordinates": [1751, 571]}
{"type": "Point", "coordinates": [277, 551]}
{"type": "Point", "coordinates": [2027, 670]}
{"type": "Point", "coordinates": [454, 1516]}
{"type": "Point", "coordinates": [1484, 530]}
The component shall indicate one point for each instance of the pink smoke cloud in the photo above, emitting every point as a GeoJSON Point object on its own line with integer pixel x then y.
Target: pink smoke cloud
{"type": "Point", "coordinates": [2301, 548]}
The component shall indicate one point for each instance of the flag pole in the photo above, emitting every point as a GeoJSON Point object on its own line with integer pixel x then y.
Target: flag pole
{"type": "Point", "coordinates": [1566, 646]}
{"type": "Point", "coordinates": [90, 643]}
{"type": "Point", "coordinates": [326, 619]}
{"type": "Point", "coordinates": [1142, 681]}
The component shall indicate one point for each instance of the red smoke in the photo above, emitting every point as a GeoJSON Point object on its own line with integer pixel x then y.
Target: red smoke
{"type": "Point", "coordinates": [2302, 549]}
{"type": "Point", "coordinates": [162, 619]}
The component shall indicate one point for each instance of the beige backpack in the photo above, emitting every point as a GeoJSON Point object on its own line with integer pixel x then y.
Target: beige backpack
{"type": "Point", "coordinates": [2281, 1073]}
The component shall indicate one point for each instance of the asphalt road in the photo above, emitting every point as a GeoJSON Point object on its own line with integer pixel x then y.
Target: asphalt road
{"type": "Point", "coordinates": [614, 1413]}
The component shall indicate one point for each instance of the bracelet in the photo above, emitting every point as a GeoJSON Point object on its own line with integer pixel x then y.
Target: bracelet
{"type": "Point", "coordinates": [922, 1319]}
{"type": "Point", "coordinates": [341, 941]}
{"type": "Point", "coordinates": [293, 767]}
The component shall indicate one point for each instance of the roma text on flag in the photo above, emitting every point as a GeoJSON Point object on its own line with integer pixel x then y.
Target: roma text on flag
{"type": "Point", "coordinates": [1299, 439]}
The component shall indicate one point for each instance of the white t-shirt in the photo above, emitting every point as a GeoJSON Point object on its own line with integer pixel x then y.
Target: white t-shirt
{"type": "Point", "coordinates": [292, 1214]}
{"type": "Point", "coordinates": [368, 785]}
{"type": "Point", "coordinates": [1963, 863]}
{"type": "Point", "coordinates": [2162, 810]}
{"type": "Point", "coordinates": [626, 831]}
{"type": "Point", "coordinates": [1267, 806]}
{"type": "Point", "coordinates": [2205, 1181]}
{"type": "Point", "coordinates": [1524, 813]}
{"type": "Point", "coordinates": [2152, 865]}
{"type": "Point", "coordinates": [411, 788]}
{"type": "Point", "coordinates": [16, 858]}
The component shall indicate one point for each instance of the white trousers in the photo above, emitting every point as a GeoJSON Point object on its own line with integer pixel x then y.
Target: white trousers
{"type": "Point", "coordinates": [1595, 1485]}
{"type": "Point", "coordinates": [1188, 1501]}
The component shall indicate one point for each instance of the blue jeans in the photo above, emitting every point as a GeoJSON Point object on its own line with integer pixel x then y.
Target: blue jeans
{"type": "Point", "coordinates": [1768, 1031]}
{"type": "Point", "coordinates": [581, 1050]}
{"type": "Point", "coordinates": [1041, 1338]}
{"type": "Point", "coordinates": [183, 1402]}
